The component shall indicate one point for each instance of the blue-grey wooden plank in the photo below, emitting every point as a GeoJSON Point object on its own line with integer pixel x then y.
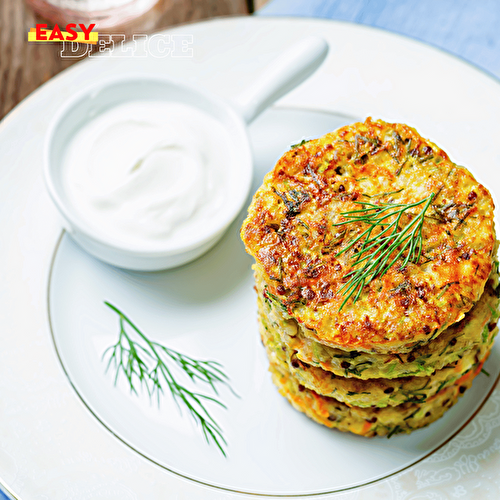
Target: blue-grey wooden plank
{"type": "Point", "coordinates": [467, 28]}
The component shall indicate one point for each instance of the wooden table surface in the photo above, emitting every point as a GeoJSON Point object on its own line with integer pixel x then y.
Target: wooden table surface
{"type": "Point", "coordinates": [25, 66]}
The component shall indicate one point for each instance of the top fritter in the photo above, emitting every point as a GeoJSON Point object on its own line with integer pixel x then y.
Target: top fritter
{"type": "Point", "coordinates": [371, 237]}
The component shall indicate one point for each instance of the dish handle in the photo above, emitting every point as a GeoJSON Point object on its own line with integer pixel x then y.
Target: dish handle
{"type": "Point", "coordinates": [285, 73]}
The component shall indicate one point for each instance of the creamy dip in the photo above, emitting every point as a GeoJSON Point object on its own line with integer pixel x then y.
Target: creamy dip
{"type": "Point", "coordinates": [147, 173]}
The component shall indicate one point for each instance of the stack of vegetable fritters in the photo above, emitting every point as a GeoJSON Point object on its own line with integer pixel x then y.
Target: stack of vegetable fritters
{"type": "Point", "coordinates": [376, 277]}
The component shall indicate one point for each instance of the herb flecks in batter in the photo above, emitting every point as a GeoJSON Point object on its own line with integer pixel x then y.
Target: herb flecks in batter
{"type": "Point", "coordinates": [294, 203]}
{"type": "Point", "coordinates": [301, 143]}
{"type": "Point", "coordinates": [382, 194]}
{"type": "Point", "coordinates": [144, 363]}
{"type": "Point", "coordinates": [381, 240]}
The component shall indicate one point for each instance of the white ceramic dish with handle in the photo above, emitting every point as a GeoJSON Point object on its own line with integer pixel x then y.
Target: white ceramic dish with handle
{"type": "Point", "coordinates": [288, 71]}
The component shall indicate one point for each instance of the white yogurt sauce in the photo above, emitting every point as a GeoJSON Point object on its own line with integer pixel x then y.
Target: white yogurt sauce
{"type": "Point", "coordinates": [148, 172]}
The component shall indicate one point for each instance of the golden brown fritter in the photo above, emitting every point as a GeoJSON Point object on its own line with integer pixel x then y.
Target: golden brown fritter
{"type": "Point", "coordinates": [476, 329]}
{"type": "Point", "coordinates": [290, 231]}
{"type": "Point", "coordinates": [375, 392]}
{"type": "Point", "coordinates": [369, 422]}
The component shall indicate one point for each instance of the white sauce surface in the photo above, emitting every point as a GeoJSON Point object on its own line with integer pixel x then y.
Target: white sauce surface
{"type": "Point", "coordinates": [147, 172]}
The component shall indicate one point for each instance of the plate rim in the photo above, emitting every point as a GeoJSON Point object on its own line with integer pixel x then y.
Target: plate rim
{"type": "Point", "coordinates": [6, 118]}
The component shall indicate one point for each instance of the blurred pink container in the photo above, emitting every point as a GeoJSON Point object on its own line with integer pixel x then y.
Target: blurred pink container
{"type": "Point", "coordinates": [104, 13]}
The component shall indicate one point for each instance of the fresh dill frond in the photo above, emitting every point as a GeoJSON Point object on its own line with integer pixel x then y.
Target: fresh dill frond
{"type": "Point", "coordinates": [383, 243]}
{"type": "Point", "coordinates": [144, 364]}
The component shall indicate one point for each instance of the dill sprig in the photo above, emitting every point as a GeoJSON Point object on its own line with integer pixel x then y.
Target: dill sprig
{"type": "Point", "coordinates": [376, 254]}
{"type": "Point", "coordinates": [144, 362]}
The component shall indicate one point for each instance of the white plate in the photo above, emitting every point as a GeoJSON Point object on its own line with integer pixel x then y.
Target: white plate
{"type": "Point", "coordinates": [207, 309]}
{"type": "Point", "coordinates": [53, 447]}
